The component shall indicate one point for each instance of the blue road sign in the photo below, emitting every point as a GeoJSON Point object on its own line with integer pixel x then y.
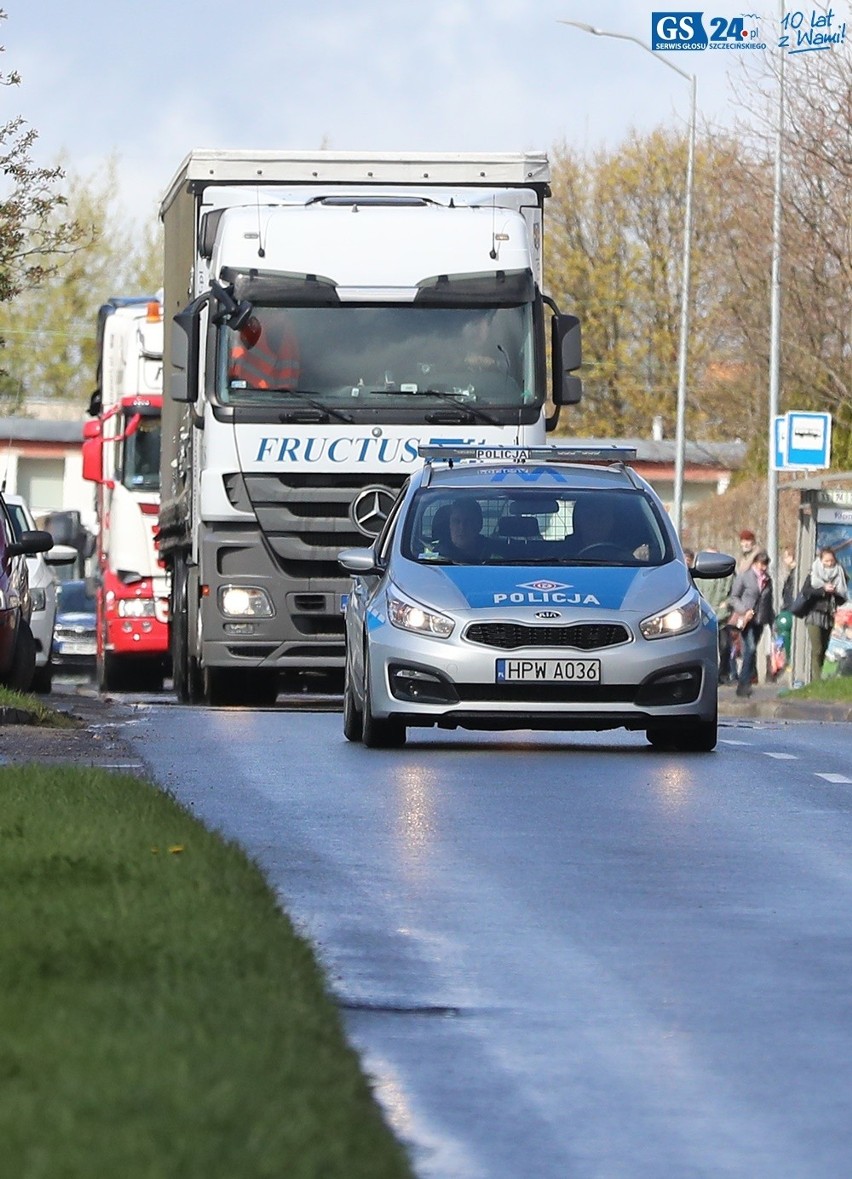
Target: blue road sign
{"type": "Point", "coordinates": [808, 441]}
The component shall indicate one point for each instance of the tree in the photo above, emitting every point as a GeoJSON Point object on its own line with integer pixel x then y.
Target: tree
{"type": "Point", "coordinates": [615, 254]}
{"type": "Point", "coordinates": [50, 332]}
{"type": "Point", "coordinates": [33, 234]}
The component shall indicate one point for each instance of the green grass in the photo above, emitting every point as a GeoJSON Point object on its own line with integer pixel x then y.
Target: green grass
{"type": "Point", "coordinates": [159, 1016]}
{"type": "Point", "coordinates": [40, 712]}
{"type": "Point", "coordinates": [837, 688]}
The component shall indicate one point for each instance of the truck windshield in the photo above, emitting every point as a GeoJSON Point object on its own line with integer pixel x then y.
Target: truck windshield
{"type": "Point", "coordinates": [141, 460]}
{"type": "Point", "coordinates": [406, 358]}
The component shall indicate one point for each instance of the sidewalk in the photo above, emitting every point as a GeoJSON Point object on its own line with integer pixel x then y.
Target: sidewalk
{"type": "Point", "coordinates": [776, 701]}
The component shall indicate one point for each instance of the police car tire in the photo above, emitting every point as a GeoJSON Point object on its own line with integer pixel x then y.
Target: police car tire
{"type": "Point", "coordinates": [377, 733]}
{"type": "Point", "coordinates": [686, 737]}
{"type": "Point", "coordinates": [353, 718]}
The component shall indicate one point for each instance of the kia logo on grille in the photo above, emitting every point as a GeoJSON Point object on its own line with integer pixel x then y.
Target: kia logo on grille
{"type": "Point", "coordinates": [370, 509]}
{"type": "Point", "coordinates": [547, 614]}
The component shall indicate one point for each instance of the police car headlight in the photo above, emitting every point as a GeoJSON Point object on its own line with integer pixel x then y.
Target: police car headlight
{"type": "Point", "coordinates": [678, 619]}
{"type": "Point", "coordinates": [409, 615]}
{"type": "Point", "coordinates": [244, 601]}
{"type": "Point", "coordinates": [38, 599]}
{"type": "Point", "coordinates": [136, 608]}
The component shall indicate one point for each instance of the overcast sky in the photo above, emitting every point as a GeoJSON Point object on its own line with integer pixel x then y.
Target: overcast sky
{"type": "Point", "coordinates": [150, 79]}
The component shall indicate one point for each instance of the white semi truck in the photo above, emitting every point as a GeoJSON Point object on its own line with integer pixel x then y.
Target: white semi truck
{"type": "Point", "coordinates": [327, 313]}
{"type": "Point", "coordinates": [121, 456]}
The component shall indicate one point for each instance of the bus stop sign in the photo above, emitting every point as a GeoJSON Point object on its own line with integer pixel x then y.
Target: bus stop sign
{"type": "Point", "coordinates": [808, 440]}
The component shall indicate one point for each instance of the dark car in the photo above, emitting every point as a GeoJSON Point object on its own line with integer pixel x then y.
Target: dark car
{"type": "Point", "coordinates": [17, 645]}
{"type": "Point", "coordinates": [75, 632]}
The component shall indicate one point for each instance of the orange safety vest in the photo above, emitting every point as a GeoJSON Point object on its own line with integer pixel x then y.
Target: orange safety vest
{"type": "Point", "coordinates": [265, 366]}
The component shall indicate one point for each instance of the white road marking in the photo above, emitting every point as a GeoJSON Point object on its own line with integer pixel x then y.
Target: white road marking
{"type": "Point", "coordinates": [781, 756]}
{"type": "Point", "coordinates": [727, 741]}
{"type": "Point", "coordinates": [836, 779]}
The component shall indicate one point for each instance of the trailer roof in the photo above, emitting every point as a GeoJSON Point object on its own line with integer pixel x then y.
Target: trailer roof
{"type": "Point", "coordinates": [204, 166]}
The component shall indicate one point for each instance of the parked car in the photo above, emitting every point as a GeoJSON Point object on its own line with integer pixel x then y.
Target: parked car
{"type": "Point", "coordinates": [42, 579]}
{"type": "Point", "coordinates": [529, 592]}
{"type": "Point", "coordinates": [17, 645]}
{"type": "Point", "coordinates": [75, 633]}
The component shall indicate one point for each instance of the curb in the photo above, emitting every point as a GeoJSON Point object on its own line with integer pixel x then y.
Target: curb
{"type": "Point", "coordinates": [17, 716]}
{"type": "Point", "coordinates": [784, 709]}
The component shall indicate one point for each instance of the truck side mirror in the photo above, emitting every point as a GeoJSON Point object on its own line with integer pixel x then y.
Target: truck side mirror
{"type": "Point", "coordinates": [93, 451]}
{"type": "Point", "coordinates": [183, 379]}
{"type": "Point", "coordinates": [566, 356]}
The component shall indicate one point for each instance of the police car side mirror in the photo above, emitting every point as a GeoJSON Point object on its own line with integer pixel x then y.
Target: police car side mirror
{"type": "Point", "coordinates": [711, 566]}
{"type": "Point", "coordinates": [359, 561]}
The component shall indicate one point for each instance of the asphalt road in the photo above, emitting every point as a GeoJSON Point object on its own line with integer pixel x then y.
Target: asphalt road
{"type": "Point", "coordinates": [562, 955]}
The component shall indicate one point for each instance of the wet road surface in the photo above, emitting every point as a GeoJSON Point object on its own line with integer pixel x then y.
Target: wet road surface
{"type": "Point", "coordinates": [562, 954]}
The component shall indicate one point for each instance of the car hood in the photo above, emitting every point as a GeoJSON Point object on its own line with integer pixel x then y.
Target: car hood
{"type": "Point", "coordinates": [76, 618]}
{"type": "Point", "coordinates": [518, 588]}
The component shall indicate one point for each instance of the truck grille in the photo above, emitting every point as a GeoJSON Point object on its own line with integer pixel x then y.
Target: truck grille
{"type": "Point", "coordinates": [305, 520]}
{"type": "Point", "coordinates": [582, 636]}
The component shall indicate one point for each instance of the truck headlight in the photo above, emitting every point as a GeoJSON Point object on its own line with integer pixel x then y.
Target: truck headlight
{"type": "Point", "coordinates": [409, 615]}
{"type": "Point", "coordinates": [38, 598]}
{"type": "Point", "coordinates": [244, 601]}
{"type": "Point", "coordinates": [678, 619]}
{"type": "Point", "coordinates": [136, 607]}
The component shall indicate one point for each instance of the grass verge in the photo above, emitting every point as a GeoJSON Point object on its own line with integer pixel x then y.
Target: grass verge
{"type": "Point", "coordinates": [837, 689]}
{"type": "Point", "coordinates": [161, 1018]}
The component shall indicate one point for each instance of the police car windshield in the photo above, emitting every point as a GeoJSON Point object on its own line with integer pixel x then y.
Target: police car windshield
{"type": "Point", "coordinates": [531, 526]}
{"type": "Point", "coordinates": [405, 358]}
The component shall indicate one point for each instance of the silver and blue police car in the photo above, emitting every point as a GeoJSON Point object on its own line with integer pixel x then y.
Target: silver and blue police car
{"type": "Point", "coordinates": [530, 588]}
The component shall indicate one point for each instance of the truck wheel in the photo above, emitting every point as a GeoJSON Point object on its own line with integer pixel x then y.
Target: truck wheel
{"type": "Point", "coordinates": [112, 672]}
{"type": "Point", "coordinates": [179, 642]}
{"type": "Point", "coordinates": [217, 686]}
{"type": "Point", "coordinates": [20, 675]}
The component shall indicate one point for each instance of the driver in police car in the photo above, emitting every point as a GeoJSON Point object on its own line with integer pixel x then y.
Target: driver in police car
{"type": "Point", "coordinates": [465, 541]}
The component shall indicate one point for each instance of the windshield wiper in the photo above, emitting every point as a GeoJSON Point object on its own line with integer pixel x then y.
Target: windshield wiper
{"type": "Point", "coordinates": [339, 414]}
{"type": "Point", "coordinates": [466, 413]}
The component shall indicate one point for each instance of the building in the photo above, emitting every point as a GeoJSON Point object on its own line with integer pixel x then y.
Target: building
{"type": "Point", "coordinates": [707, 468]}
{"type": "Point", "coordinates": [43, 462]}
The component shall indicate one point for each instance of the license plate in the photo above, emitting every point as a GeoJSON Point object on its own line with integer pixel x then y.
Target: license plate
{"type": "Point", "coordinates": [586, 671]}
{"type": "Point", "coordinates": [77, 648]}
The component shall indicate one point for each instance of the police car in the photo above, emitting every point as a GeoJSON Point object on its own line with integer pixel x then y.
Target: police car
{"type": "Point", "coordinates": [530, 588]}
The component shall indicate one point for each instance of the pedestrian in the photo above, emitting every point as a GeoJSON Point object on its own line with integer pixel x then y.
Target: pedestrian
{"type": "Point", "coordinates": [751, 610]}
{"type": "Point", "coordinates": [829, 590]}
{"type": "Point", "coordinates": [788, 589]}
{"type": "Point", "coordinates": [717, 593]}
{"type": "Point", "coordinates": [748, 550]}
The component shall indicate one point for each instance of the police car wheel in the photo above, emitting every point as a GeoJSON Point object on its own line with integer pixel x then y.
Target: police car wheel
{"type": "Point", "coordinates": [379, 733]}
{"type": "Point", "coordinates": [353, 718]}
{"type": "Point", "coordinates": [686, 737]}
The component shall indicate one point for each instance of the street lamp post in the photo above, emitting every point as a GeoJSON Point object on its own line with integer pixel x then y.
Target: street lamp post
{"type": "Point", "coordinates": [683, 347]}
{"type": "Point", "coordinates": [775, 323]}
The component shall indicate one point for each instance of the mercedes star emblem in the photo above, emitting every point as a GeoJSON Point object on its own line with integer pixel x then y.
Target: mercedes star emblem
{"type": "Point", "coordinates": [370, 509]}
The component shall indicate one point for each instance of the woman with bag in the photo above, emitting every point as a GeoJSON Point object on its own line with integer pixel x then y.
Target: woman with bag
{"type": "Point", "coordinates": [751, 606]}
{"type": "Point", "coordinates": [828, 591]}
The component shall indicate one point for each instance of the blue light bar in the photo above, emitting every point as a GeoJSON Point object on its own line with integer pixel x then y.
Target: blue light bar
{"type": "Point", "coordinates": [527, 454]}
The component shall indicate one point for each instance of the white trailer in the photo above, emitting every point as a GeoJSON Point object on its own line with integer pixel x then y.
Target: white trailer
{"type": "Point", "coordinates": [326, 314]}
